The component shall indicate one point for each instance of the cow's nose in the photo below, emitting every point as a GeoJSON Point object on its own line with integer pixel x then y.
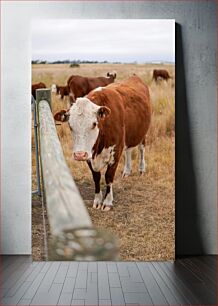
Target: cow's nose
{"type": "Point", "coordinates": [80, 156]}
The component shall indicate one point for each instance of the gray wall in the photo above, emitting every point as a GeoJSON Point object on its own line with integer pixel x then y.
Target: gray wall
{"type": "Point", "coordinates": [196, 113]}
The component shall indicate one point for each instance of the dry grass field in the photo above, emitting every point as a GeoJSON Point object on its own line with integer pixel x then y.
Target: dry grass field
{"type": "Point", "coordinates": [143, 217]}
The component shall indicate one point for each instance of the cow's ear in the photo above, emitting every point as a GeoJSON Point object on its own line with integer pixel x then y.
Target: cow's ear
{"type": "Point", "coordinates": [62, 116]}
{"type": "Point", "coordinates": [103, 112]}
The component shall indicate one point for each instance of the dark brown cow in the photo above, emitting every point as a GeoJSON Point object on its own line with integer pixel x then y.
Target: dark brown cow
{"type": "Point", "coordinates": [162, 74]}
{"type": "Point", "coordinates": [80, 86]}
{"type": "Point", "coordinates": [37, 86]}
{"type": "Point", "coordinates": [62, 91]}
{"type": "Point", "coordinates": [103, 124]}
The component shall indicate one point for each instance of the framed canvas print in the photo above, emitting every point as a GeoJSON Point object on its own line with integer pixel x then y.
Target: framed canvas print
{"type": "Point", "coordinates": [103, 139]}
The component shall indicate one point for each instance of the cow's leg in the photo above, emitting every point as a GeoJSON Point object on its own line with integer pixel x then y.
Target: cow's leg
{"type": "Point", "coordinates": [142, 164]}
{"type": "Point", "coordinates": [109, 178]}
{"type": "Point", "coordinates": [98, 194]}
{"type": "Point", "coordinates": [68, 102]}
{"type": "Point", "coordinates": [128, 162]}
{"type": "Point", "coordinates": [72, 98]}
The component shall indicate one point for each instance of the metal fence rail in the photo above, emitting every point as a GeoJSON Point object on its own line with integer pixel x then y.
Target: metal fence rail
{"type": "Point", "coordinates": [33, 105]}
{"type": "Point", "coordinates": [73, 235]}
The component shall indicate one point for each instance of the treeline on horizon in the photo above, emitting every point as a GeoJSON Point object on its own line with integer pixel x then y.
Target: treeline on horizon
{"type": "Point", "coordinates": [76, 63]}
{"type": "Point", "coordinates": [73, 62]}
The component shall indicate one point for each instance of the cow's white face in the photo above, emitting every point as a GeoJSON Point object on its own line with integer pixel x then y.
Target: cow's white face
{"type": "Point", "coordinates": [54, 88]}
{"type": "Point", "coordinates": [84, 119]}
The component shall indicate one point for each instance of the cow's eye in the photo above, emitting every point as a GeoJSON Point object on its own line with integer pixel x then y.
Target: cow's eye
{"type": "Point", "coordinates": [94, 125]}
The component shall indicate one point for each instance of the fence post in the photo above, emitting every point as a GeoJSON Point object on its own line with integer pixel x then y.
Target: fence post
{"type": "Point", "coordinates": [73, 235]}
{"type": "Point", "coordinates": [43, 94]}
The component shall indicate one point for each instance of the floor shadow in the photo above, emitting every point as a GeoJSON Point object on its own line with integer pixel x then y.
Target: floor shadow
{"type": "Point", "coordinates": [188, 234]}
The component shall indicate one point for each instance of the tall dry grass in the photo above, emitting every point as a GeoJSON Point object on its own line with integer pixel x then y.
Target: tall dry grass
{"type": "Point", "coordinates": [163, 102]}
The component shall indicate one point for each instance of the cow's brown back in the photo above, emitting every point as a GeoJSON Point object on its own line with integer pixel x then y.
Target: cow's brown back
{"type": "Point", "coordinates": [80, 86]}
{"type": "Point", "coordinates": [130, 106]}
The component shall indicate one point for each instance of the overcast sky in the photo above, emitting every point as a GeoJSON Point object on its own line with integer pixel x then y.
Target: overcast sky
{"type": "Point", "coordinates": [112, 40]}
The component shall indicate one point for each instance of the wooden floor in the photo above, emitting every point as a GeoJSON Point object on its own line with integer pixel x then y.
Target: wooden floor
{"type": "Point", "coordinates": [188, 281]}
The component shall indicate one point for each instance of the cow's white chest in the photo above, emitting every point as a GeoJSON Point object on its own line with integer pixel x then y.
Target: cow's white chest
{"type": "Point", "coordinates": [106, 157]}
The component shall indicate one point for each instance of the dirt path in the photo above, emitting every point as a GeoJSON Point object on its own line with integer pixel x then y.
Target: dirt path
{"type": "Point", "coordinates": [38, 232]}
{"type": "Point", "coordinates": [142, 218]}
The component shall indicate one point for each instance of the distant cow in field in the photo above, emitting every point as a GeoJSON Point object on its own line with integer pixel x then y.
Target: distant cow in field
{"type": "Point", "coordinates": [54, 88]}
{"type": "Point", "coordinates": [63, 91]}
{"type": "Point", "coordinates": [37, 86]}
{"type": "Point", "coordinates": [80, 86]}
{"type": "Point", "coordinates": [60, 90]}
{"type": "Point", "coordinates": [105, 122]}
{"type": "Point", "coordinates": [161, 74]}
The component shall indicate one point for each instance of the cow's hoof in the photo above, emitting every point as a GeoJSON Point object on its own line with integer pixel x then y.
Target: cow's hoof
{"type": "Point", "coordinates": [106, 207]}
{"type": "Point", "coordinates": [96, 206]}
{"type": "Point", "coordinates": [141, 173]}
{"type": "Point", "coordinates": [125, 175]}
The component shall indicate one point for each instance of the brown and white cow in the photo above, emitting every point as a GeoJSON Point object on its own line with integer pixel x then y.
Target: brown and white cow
{"type": "Point", "coordinates": [63, 91]}
{"type": "Point", "coordinates": [161, 74]}
{"type": "Point", "coordinates": [80, 86]}
{"type": "Point", "coordinates": [37, 86]}
{"type": "Point", "coordinates": [60, 90]}
{"type": "Point", "coordinates": [104, 123]}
